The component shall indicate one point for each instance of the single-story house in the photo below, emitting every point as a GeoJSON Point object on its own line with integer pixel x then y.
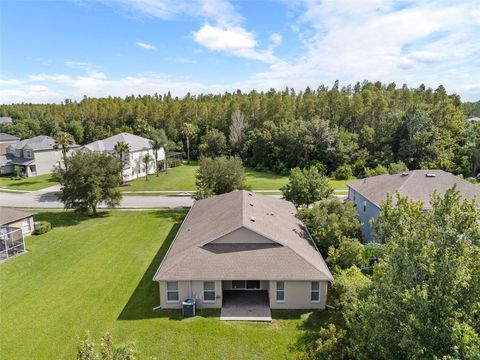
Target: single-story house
{"type": "Point", "coordinates": [419, 185]}
{"type": "Point", "coordinates": [14, 226]}
{"type": "Point", "coordinates": [247, 248]}
{"type": "Point", "coordinates": [133, 161]}
{"type": "Point", "coordinates": [36, 156]}
{"type": "Point", "coordinates": [5, 140]}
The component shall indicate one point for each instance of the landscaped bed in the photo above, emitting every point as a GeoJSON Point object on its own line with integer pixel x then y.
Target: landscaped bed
{"type": "Point", "coordinates": [95, 274]}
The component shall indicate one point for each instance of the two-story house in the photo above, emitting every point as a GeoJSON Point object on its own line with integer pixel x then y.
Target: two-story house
{"type": "Point", "coordinates": [419, 185]}
{"type": "Point", "coordinates": [5, 141]}
{"type": "Point", "coordinates": [134, 166]}
{"type": "Point", "coordinates": [36, 156]}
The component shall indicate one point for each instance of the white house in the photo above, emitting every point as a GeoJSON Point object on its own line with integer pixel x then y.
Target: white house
{"type": "Point", "coordinates": [134, 166]}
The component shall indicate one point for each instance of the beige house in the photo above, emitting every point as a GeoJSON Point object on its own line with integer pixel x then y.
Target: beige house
{"type": "Point", "coordinates": [242, 251]}
{"type": "Point", "coordinates": [14, 226]}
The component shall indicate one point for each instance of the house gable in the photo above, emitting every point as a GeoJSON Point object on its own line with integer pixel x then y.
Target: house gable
{"type": "Point", "coordinates": [242, 235]}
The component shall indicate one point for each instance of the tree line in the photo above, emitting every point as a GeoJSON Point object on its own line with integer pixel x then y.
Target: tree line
{"type": "Point", "coordinates": [362, 127]}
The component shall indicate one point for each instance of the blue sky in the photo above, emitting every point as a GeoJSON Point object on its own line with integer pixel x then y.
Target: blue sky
{"type": "Point", "coordinates": [53, 50]}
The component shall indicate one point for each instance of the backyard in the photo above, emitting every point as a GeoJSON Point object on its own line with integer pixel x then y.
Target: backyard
{"type": "Point", "coordinates": [27, 184]}
{"type": "Point", "coordinates": [95, 274]}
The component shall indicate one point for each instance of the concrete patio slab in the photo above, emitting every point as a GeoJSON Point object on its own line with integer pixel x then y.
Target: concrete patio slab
{"type": "Point", "coordinates": [245, 305]}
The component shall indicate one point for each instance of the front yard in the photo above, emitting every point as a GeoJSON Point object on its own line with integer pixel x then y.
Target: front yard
{"type": "Point", "coordinates": [96, 274]}
{"type": "Point", "coordinates": [182, 178]}
{"type": "Point", "coordinates": [28, 184]}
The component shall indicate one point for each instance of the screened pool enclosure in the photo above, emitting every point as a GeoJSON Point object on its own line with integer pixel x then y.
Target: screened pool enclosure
{"type": "Point", "coordinates": [11, 242]}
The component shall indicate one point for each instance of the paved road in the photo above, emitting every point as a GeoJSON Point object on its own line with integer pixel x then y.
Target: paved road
{"type": "Point", "coordinates": [47, 199]}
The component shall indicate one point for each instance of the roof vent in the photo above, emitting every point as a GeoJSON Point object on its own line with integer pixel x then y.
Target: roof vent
{"type": "Point", "coordinates": [430, 175]}
{"type": "Point", "coordinates": [250, 203]}
{"type": "Point", "coordinates": [405, 173]}
{"type": "Point", "coordinates": [252, 219]}
{"type": "Point", "coordinates": [250, 193]}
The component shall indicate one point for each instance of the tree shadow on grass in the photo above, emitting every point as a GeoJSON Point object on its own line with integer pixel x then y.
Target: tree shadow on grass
{"type": "Point", "coordinates": [146, 295]}
{"type": "Point", "coordinates": [66, 218]}
{"type": "Point", "coordinates": [310, 327]}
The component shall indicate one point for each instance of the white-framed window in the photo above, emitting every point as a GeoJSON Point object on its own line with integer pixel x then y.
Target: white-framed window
{"type": "Point", "coordinates": [315, 292]}
{"type": "Point", "coordinates": [26, 226]}
{"type": "Point", "coordinates": [364, 205]}
{"type": "Point", "coordinates": [209, 294]}
{"type": "Point", "coordinates": [172, 291]}
{"type": "Point", "coordinates": [280, 291]}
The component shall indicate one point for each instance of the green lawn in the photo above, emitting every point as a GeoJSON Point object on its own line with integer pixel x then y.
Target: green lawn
{"type": "Point", "coordinates": [182, 178]}
{"type": "Point", "coordinates": [96, 274]}
{"type": "Point", "coordinates": [31, 183]}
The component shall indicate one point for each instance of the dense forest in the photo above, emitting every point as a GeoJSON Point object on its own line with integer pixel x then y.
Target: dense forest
{"type": "Point", "coordinates": [365, 126]}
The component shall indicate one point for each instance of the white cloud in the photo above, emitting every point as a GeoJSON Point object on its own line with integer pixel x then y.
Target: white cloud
{"type": "Point", "coordinates": [349, 40]}
{"type": "Point", "coordinates": [276, 39]}
{"type": "Point", "coordinates": [234, 40]}
{"type": "Point", "coordinates": [146, 46]}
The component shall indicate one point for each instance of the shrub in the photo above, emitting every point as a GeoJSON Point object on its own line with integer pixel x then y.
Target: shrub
{"type": "Point", "coordinates": [379, 170]}
{"type": "Point", "coordinates": [174, 162]}
{"type": "Point", "coordinates": [343, 172]}
{"type": "Point", "coordinates": [349, 252]}
{"type": "Point", "coordinates": [42, 227]}
{"type": "Point", "coordinates": [397, 168]}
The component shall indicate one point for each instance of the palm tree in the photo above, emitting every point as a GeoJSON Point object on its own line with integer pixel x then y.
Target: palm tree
{"type": "Point", "coordinates": [122, 148]}
{"type": "Point", "coordinates": [189, 130]}
{"type": "Point", "coordinates": [146, 159]}
{"type": "Point", "coordinates": [64, 140]}
{"type": "Point", "coordinates": [156, 144]}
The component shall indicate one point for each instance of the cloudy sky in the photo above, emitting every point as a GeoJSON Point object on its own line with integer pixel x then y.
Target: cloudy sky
{"type": "Point", "coordinates": [53, 50]}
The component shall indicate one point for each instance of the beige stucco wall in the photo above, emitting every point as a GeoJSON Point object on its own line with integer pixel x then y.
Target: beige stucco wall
{"type": "Point", "coordinates": [46, 161]}
{"type": "Point", "coordinates": [297, 295]}
{"type": "Point", "coordinates": [190, 289]}
{"type": "Point", "coordinates": [19, 224]}
{"type": "Point", "coordinates": [241, 236]}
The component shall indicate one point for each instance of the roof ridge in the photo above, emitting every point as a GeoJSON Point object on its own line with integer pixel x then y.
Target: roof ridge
{"type": "Point", "coordinates": [408, 177]}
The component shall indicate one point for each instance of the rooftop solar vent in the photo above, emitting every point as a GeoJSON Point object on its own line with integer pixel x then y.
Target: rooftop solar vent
{"type": "Point", "coordinates": [250, 203]}
{"type": "Point", "coordinates": [252, 219]}
{"type": "Point", "coordinates": [251, 194]}
{"type": "Point", "coordinates": [430, 175]}
{"type": "Point", "coordinates": [405, 173]}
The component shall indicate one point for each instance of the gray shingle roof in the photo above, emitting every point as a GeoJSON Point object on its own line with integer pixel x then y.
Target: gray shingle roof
{"type": "Point", "coordinates": [416, 185]}
{"type": "Point", "coordinates": [287, 252]}
{"type": "Point", "coordinates": [8, 215]}
{"type": "Point", "coordinates": [135, 142]}
{"type": "Point", "coordinates": [8, 137]}
{"type": "Point", "coordinates": [40, 142]}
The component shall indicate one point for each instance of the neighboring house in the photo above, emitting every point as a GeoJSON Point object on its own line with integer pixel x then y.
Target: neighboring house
{"type": "Point", "coordinates": [5, 120]}
{"type": "Point", "coordinates": [36, 156]}
{"type": "Point", "coordinates": [14, 226]}
{"type": "Point", "coordinates": [242, 251]}
{"type": "Point", "coordinates": [133, 163]}
{"type": "Point", "coordinates": [418, 185]}
{"type": "Point", "coordinates": [5, 140]}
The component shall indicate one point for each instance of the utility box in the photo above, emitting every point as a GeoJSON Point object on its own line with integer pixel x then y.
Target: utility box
{"type": "Point", "coordinates": [188, 308]}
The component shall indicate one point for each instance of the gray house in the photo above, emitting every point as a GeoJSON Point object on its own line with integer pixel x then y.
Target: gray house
{"type": "Point", "coordinates": [5, 140]}
{"type": "Point", "coordinates": [419, 185]}
{"type": "Point", "coordinates": [36, 156]}
{"type": "Point", "coordinates": [245, 253]}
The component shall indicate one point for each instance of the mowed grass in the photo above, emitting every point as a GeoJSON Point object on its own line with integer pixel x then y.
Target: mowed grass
{"type": "Point", "coordinates": [30, 183]}
{"type": "Point", "coordinates": [182, 178]}
{"type": "Point", "coordinates": [95, 274]}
